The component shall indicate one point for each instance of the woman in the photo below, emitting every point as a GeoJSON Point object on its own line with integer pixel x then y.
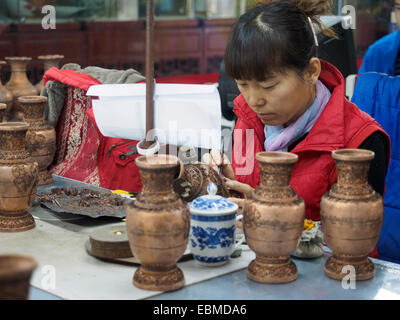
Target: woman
{"type": "Point", "coordinates": [292, 101]}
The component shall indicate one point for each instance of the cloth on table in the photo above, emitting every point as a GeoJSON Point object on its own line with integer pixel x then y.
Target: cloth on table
{"type": "Point", "coordinates": [310, 243]}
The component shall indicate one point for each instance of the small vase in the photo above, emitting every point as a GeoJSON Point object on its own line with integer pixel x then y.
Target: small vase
{"type": "Point", "coordinates": [18, 178]}
{"type": "Point", "coordinates": [19, 84]}
{"type": "Point", "coordinates": [15, 275]}
{"type": "Point", "coordinates": [41, 137]}
{"type": "Point", "coordinates": [273, 220]}
{"type": "Point", "coordinates": [158, 225]}
{"type": "Point", "coordinates": [49, 61]}
{"type": "Point", "coordinates": [6, 96]}
{"type": "Point", "coordinates": [351, 216]}
{"type": "Point", "coordinates": [3, 109]}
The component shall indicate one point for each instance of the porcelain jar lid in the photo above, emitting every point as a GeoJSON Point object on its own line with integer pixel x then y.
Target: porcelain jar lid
{"type": "Point", "coordinates": [212, 204]}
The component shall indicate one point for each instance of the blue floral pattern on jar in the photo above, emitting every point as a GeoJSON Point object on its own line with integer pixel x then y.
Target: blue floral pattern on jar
{"type": "Point", "coordinates": [211, 238]}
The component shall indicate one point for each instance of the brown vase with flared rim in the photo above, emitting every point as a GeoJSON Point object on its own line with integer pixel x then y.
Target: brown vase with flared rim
{"type": "Point", "coordinates": [351, 216]}
{"type": "Point", "coordinates": [273, 220]}
{"type": "Point", "coordinates": [18, 178]}
{"type": "Point", "coordinates": [19, 85]}
{"type": "Point", "coordinates": [41, 137]}
{"type": "Point", "coordinates": [158, 224]}
{"type": "Point", "coordinates": [49, 61]}
{"type": "Point", "coordinates": [5, 95]}
{"type": "Point", "coordinates": [15, 275]}
{"type": "Point", "coordinates": [3, 109]}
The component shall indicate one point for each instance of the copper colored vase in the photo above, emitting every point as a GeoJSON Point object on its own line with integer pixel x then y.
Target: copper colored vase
{"type": "Point", "coordinates": [5, 95]}
{"type": "Point", "coordinates": [3, 108]}
{"type": "Point", "coordinates": [49, 61]}
{"type": "Point", "coordinates": [351, 216]}
{"type": "Point", "coordinates": [158, 224]}
{"type": "Point", "coordinates": [19, 85]}
{"type": "Point", "coordinates": [273, 220]}
{"type": "Point", "coordinates": [15, 275]}
{"type": "Point", "coordinates": [41, 137]}
{"type": "Point", "coordinates": [18, 178]}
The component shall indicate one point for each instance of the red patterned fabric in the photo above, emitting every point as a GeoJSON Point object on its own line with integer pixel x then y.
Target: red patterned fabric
{"type": "Point", "coordinates": [77, 138]}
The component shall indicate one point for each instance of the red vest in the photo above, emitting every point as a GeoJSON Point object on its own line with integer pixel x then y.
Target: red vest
{"type": "Point", "coordinates": [341, 125]}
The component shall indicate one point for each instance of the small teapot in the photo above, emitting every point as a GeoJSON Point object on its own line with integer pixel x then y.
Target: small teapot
{"type": "Point", "coordinates": [213, 228]}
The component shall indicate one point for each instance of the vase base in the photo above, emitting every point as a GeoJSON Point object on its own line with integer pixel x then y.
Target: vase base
{"type": "Point", "coordinates": [16, 223]}
{"type": "Point", "coordinates": [270, 270]}
{"type": "Point", "coordinates": [336, 268]}
{"type": "Point", "coordinates": [168, 280]}
{"type": "Point", "coordinates": [44, 177]}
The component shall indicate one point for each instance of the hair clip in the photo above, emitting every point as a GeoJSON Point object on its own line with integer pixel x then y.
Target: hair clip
{"type": "Point", "coordinates": [313, 31]}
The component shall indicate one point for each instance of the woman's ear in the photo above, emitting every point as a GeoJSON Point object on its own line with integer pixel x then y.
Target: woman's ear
{"type": "Point", "coordinates": [313, 71]}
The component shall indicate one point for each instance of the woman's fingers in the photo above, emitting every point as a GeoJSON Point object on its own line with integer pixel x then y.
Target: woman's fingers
{"type": "Point", "coordinates": [207, 159]}
{"type": "Point", "coordinates": [216, 156]}
{"type": "Point", "coordinates": [227, 169]}
{"type": "Point", "coordinates": [238, 201]}
{"type": "Point", "coordinates": [238, 186]}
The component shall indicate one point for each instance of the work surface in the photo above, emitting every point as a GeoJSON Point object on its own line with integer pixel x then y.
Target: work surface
{"type": "Point", "coordinates": [66, 271]}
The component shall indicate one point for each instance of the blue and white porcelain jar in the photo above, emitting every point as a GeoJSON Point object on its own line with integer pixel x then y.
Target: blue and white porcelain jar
{"type": "Point", "coordinates": [212, 228]}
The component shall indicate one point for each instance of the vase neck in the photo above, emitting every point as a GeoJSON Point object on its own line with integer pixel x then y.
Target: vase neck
{"type": "Point", "coordinates": [352, 182]}
{"type": "Point", "coordinates": [32, 110]}
{"type": "Point", "coordinates": [352, 172]}
{"type": "Point", "coordinates": [157, 180]}
{"type": "Point", "coordinates": [13, 141]}
{"type": "Point", "coordinates": [18, 70]}
{"type": "Point", "coordinates": [275, 182]}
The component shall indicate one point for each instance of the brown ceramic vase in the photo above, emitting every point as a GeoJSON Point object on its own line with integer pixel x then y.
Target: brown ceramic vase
{"type": "Point", "coordinates": [15, 275]}
{"type": "Point", "coordinates": [19, 85]}
{"type": "Point", "coordinates": [41, 137]}
{"type": "Point", "coordinates": [49, 61]}
{"type": "Point", "coordinates": [5, 95]}
{"type": "Point", "coordinates": [273, 220]}
{"type": "Point", "coordinates": [18, 178]}
{"type": "Point", "coordinates": [351, 216]}
{"type": "Point", "coordinates": [3, 109]}
{"type": "Point", "coordinates": [158, 224]}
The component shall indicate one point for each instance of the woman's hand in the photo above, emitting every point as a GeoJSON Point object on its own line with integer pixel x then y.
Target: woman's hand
{"type": "Point", "coordinates": [216, 161]}
{"type": "Point", "coordinates": [238, 186]}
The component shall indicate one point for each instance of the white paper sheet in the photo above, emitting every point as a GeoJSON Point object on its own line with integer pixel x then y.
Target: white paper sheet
{"type": "Point", "coordinates": [184, 115]}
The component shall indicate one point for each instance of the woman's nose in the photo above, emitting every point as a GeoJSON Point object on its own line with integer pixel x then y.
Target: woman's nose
{"type": "Point", "coordinates": [256, 101]}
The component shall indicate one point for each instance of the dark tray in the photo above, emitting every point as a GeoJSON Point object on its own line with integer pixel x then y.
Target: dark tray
{"type": "Point", "coordinates": [82, 204]}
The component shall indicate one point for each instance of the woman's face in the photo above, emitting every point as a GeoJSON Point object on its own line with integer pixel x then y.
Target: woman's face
{"type": "Point", "coordinates": [282, 99]}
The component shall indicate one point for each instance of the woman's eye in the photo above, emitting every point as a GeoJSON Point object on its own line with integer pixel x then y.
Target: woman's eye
{"type": "Point", "coordinates": [268, 87]}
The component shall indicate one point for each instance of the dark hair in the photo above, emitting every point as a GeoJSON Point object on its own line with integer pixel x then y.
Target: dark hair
{"type": "Point", "coordinates": [274, 37]}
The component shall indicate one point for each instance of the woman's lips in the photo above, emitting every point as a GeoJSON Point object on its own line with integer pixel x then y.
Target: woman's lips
{"type": "Point", "coordinates": [265, 116]}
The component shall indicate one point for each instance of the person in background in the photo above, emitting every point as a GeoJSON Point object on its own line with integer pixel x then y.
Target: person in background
{"type": "Point", "coordinates": [292, 102]}
{"type": "Point", "coordinates": [384, 55]}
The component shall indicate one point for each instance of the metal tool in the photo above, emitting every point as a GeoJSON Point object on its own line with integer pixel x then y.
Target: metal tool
{"type": "Point", "coordinates": [116, 145]}
{"type": "Point", "coordinates": [128, 154]}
